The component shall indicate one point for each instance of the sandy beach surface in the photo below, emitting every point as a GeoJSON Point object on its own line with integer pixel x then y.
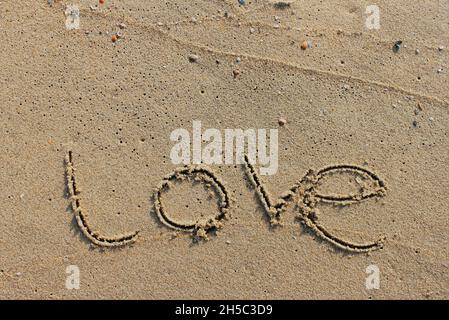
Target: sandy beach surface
{"type": "Point", "coordinates": [110, 92]}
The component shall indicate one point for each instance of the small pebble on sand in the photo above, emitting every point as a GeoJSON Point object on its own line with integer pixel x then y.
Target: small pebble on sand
{"type": "Point", "coordinates": [282, 121]}
{"type": "Point", "coordinates": [114, 38]}
{"type": "Point", "coordinates": [252, 30]}
{"type": "Point", "coordinates": [236, 73]}
{"type": "Point", "coordinates": [193, 58]}
{"type": "Point", "coordinates": [304, 45]}
{"type": "Point", "coordinates": [122, 26]}
{"type": "Point", "coordinates": [440, 48]}
{"type": "Point", "coordinates": [417, 51]}
{"type": "Point", "coordinates": [397, 45]}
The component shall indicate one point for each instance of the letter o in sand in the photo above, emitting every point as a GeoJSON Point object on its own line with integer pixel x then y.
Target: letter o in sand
{"type": "Point", "coordinates": [202, 175]}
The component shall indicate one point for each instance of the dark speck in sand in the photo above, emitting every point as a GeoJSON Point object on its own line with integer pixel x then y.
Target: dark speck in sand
{"type": "Point", "coordinates": [281, 5]}
{"type": "Point", "coordinates": [397, 45]}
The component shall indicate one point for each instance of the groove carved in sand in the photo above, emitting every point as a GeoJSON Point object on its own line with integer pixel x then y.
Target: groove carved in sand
{"type": "Point", "coordinates": [305, 191]}
{"type": "Point", "coordinates": [82, 217]}
{"type": "Point", "coordinates": [309, 198]}
{"type": "Point", "coordinates": [203, 175]}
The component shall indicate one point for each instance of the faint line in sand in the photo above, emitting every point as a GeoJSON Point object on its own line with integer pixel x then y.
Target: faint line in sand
{"type": "Point", "coordinates": [303, 69]}
{"type": "Point", "coordinates": [82, 217]}
{"type": "Point", "coordinates": [133, 21]}
{"type": "Point", "coordinates": [183, 42]}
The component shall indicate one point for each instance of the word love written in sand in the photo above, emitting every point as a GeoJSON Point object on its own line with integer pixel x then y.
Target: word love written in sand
{"type": "Point", "coordinates": [305, 193]}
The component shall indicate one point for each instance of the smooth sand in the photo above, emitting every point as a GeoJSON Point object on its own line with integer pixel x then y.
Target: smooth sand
{"type": "Point", "coordinates": [348, 100]}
